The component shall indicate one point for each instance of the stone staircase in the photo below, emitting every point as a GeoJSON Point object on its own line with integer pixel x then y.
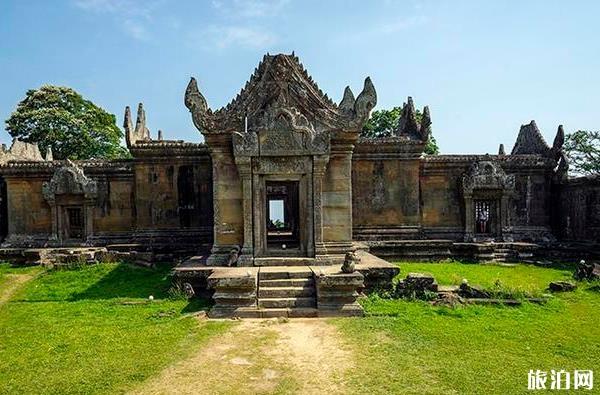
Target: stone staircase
{"type": "Point", "coordinates": [287, 292]}
{"type": "Point", "coordinates": [503, 254]}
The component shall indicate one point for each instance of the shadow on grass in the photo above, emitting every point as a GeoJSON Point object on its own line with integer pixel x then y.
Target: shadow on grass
{"type": "Point", "coordinates": [128, 281]}
{"type": "Point", "coordinates": [197, 304]}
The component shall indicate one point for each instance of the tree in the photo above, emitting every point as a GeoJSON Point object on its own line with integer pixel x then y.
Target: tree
{"type": "Point", "coordinates": [583, 150]}
{"type": "Point", "coordinates": [383, 122]}
{"type": "Point", "coordinates": [75, 128]}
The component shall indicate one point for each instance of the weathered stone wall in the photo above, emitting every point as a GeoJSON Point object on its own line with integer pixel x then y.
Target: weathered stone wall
{"type": "Point", "coordinates": [578, 210]}
{"type": "Point", "coordinates": [443, 208]}
{"type": "Point", "coordinates": [28, 212]}
{"type": "Point", "coordinates": [150, 199]}
{"type": "Point", "coordinates": [385, 191]}
{"type": "Point", "coordinates": [400, 197]}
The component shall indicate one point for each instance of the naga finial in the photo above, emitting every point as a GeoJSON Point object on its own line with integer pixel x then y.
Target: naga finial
{"type": "Point", "coordinates": [366, 100]}
{"type": "Point", "coordinates": [559, 140]}
{"type": "Point", "coordinates": [197, 105]}
{"type": "Point", "coordinates": [347, 103]}
{"type": "Point", "coordinates": [501, 150]}
{"type": "Point", "coordinates": [128, 126]}
{"type": "Point", "coordinates": [425, 124]}
{"type": "Point", "coordinates": [141, 131]}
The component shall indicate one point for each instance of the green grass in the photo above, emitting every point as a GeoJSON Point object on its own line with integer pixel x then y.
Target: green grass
{"type": "Point", "coordinates": [415, 348]}
{"type": "Point", "coordinates": [527, 278]}
{"type": "Point", "coordinates": [93, 330]}
{"type": "Point", "coordinates": [6, 270]}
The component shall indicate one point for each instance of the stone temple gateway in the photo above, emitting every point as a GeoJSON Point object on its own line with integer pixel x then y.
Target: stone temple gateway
{"type": "Point", "coordinates": [284, 191]}
{"type": "Point", "coordinates": [282, 135]}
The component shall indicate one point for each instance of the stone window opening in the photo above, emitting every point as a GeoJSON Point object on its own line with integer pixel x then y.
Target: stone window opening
{"type": "Point", "coordinates": [485, 217]}
{"type": "Point", "coordinates": [74, 223]}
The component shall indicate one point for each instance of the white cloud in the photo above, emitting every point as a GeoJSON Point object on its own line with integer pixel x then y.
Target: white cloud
{"type": "Point", "coordinates": [222, 37]}
{"type": "Point", "coordinates": [249, 8]}
{"type": "Point", "coordinates": [401, 24]}
{"type": "Point", "coordinates": [133, 16]}
{"type": "Point", "coordinates": [135, 29]}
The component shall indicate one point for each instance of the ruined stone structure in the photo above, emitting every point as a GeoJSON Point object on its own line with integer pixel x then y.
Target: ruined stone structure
{"type": "Point", "coordinates": [282, 141]}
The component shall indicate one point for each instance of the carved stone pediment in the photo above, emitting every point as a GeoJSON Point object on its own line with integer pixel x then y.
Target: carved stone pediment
{"type": "Point", "coordinates": [69, 180]}
{"type": "Point", "coordinates": [487, 175]}
{"type": "Point", "coordinates": [279, 85]}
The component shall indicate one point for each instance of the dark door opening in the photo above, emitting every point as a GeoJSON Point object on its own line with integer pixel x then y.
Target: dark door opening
{"type": "Point", "coordinates": [485, 217]}
{"type": "Point", "coordinates": [3, 210]}
{"type": "Point", "coordinates": [74, 223]}
{"type": "Point", "coordinates": [282, 215]}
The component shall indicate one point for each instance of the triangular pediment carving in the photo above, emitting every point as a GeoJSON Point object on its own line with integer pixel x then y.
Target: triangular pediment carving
{"type": "Point", "coordinates": [280, 90]}
{"type": "Point", "coordinates": [69, 180]}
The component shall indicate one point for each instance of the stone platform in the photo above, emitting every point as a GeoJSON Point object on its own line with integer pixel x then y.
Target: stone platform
{"type": "Point", "coordinates": [285, 291]}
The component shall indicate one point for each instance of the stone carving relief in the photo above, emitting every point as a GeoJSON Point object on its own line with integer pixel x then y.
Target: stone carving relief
{"type": "Point", "coordinates": [69, 179]}
{"type": "Point", "coordinates": [487, 175]}
{"type": "Point", "coordinates": [277, 165]}
{"type": "Point", "coordinates": [280, 84]}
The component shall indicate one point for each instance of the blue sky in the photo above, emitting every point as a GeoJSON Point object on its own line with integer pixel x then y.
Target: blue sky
{"type": "Point", "coordinates": [483, 67]}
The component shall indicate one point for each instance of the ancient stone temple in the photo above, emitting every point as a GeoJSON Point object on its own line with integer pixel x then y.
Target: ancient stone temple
{"type": "Point", "coordinates": [283, 193]}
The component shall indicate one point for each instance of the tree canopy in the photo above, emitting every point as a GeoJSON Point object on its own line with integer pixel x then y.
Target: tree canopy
{"type": "Point", "coordinates": [383, 122]}
{"type": "Point", "coordinates": [60, 118]}
{"type": "Point", "coordinates": [583, 150]}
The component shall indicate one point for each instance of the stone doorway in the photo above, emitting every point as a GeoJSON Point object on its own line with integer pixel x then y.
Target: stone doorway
{"type": "Point", "coordinates": [282, 216]}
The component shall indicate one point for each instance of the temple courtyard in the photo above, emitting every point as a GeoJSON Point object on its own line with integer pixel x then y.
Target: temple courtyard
{"type": "Point", "coordinates": [119, 328]}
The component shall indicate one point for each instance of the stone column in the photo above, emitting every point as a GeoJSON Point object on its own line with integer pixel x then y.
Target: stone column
{"type": "Point", "coordinates": [319, 166]}
{"type": "Point", "coordinates": [88, 211]}
{"type": "Point", "coordinates": [246, 257]}
{"type": "Point", "coordinates": [469, 223]}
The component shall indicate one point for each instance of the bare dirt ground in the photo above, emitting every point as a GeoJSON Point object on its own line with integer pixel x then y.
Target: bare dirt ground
{"type": "Point", "coordinates": [13, 283]}
{"type": "Point", "coordinates": [301, 356]}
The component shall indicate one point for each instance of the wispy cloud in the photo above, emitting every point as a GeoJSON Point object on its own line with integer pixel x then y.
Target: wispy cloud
{"type": "Point", "coordinates": [401, 24]}
{"type": "Point", "coordinates": [133, 16]}
{"type": "Point", "coordinates": [249, 8]}
{"type": "Point", "coordinates": [239, 24]}
{"type": "Point", "coordinates": [222, 37]}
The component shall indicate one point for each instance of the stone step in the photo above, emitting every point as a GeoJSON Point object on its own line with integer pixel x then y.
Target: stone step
{"type": "Point", "coordinates": [285, 292]}
{"type": "Point", "coordinates": [301, 272]}
{"type": "Point", "coordinates": [275, 303]}
{"type": "Point", "coordinates": [283, 261]}
{"type": "Point", "coordinates": [287, 282]}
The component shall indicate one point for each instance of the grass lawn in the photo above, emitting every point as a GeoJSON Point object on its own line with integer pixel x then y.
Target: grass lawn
{"type": "Point", "coordinates": [415, 348]}
{"type": "Point", "coordinates": [92, 330]}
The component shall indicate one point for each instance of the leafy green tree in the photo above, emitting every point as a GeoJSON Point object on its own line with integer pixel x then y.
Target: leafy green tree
{"type": "Point", "coordinates": [583, 150]}
{"type": "Point", "coordinates": [75, 128]}
{"type": "Point", "coordinates": [383, 122]}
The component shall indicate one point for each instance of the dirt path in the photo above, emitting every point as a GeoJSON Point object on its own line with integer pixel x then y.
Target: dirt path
{"type": "Point", "coordinates": [13, 283]}
{"type": "Point", "coordinates": [301, 356]}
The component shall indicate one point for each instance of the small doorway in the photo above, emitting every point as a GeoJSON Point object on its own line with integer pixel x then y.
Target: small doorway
{"type": "Point", "coordinates": [282, 215]}
{"type": "Point", "coordinates": [74, 222]}
{"type": "Point", "coordinates": [485, 217]}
